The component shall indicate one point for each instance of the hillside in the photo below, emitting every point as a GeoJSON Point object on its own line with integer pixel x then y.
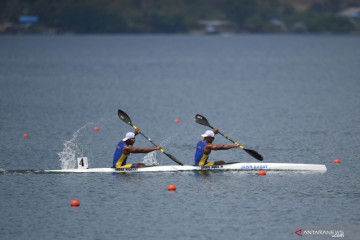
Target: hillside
{"type": "Point", "coordinates": [182, 16]}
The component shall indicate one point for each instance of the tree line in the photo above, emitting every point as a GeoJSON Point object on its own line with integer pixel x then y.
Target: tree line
{"type": "Point", "coordinates": [180, 16]}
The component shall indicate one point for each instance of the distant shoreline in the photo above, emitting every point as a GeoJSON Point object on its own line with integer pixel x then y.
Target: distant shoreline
{"type": "Point", "coordinates": [184, 34]}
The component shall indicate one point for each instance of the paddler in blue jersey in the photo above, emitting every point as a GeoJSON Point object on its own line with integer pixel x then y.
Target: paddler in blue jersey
{"type": "Point", "coordinates": [204, 147]}
{"type": "Point", "coordinates": [125, 147]}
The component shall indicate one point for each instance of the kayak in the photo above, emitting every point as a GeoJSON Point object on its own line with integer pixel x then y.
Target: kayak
{"type": "Point", "coordinates": [229, 166]}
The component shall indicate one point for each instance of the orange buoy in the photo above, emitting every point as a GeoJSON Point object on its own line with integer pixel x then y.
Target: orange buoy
{"type": "Point", "coordinates": [172, 188]}
{"type": "Point", "coordinates": [75, 203]}
{"type": "Point", "coordinates": [336, 161]}
{"type": "Point", "coordinates": [262, 173]}
{"type": "Point", "coordinates": [25, 135]}
{"type": "Point", "coordinates": [96, 129]}
{"type": "Point", "coordinates": [176, 121]}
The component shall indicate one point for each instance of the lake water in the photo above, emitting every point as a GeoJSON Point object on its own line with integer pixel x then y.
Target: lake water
{"type": "Point", "coordinates": [294, 99]}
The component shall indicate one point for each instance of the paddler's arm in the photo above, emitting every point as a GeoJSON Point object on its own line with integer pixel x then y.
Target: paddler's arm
{"type": "Point", "coordinates": [130, 149]}
{"type": "Point", "coordinates": [209, 147]}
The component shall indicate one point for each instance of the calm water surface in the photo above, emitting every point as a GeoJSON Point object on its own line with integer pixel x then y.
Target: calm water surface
{"type": "Point", "coordinates": [294, 99]}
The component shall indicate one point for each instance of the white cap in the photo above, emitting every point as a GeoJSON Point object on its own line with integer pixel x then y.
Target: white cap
{"type": "Point", "coordinates": [209, 133]}
{"type": "Point", "coordinates": [129, 135]}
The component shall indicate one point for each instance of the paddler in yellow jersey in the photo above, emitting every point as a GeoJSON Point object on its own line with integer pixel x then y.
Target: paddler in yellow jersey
{"type": "Point", "coordinates": [125, 147]}
{"type": "Point", "coordinates": [204, 147]}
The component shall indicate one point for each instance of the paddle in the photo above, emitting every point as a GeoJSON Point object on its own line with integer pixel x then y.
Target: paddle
{"type": "Point", "coordinates": [125, 118]}
{"type": "Point", "coordinates": [203, 121]}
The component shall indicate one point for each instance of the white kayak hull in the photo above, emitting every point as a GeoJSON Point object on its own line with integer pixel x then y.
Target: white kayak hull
{"type": "Point", "coordinates": [231, 166]}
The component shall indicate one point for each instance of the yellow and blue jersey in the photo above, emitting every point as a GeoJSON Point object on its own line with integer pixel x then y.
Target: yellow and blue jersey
{"type": "Point", "coordinates": [120, 158]}
{"type": "Point", "coordinates": [200, 157]}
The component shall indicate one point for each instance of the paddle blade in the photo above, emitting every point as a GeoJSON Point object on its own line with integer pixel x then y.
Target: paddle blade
{"type": "Point", "coordinates": [173, 158]}
{"type": "Point", "coordinates": [202, 120]}
{"type": "Point", "coordinates": [124, 117]}
{"type": "Point", "coordinates": [254, 154]}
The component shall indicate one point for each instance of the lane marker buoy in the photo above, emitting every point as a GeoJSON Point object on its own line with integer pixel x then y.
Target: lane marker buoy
{"type": "Point", "coordinates": [25, 135]}
{"type": "Point", "coordinates": [176, 121]}
{"type": "Point", "coordinates": [75, 203]}
{"type": "Point", "coordinates": [96, 129]}
{"type": "Point", "coordinates": [336, 161]}
{"type": "Point", "coordinates": [172, 188]}
{"type": "Point", "coordinates": [262, 173]}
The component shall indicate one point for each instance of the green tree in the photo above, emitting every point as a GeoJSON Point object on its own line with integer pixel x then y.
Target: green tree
{"type": "Point", "coordinates": [83, 18]}
{"type": "Point", "coordinates": [328, 23]}
{"type": "Point", "coordinates": [239, 11]}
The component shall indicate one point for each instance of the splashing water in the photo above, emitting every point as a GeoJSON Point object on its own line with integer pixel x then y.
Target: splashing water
{"type": "Point", "coordinates": [150, 158]}
{"type": "Point", "coordinates": [71, 150]}
{"type": "Point", "coordinates": [79, 146]}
